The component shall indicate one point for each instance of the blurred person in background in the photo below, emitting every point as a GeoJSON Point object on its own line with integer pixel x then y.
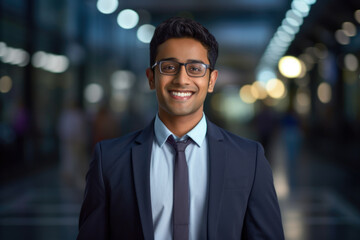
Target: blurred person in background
{"type": "Point", "coordinates": [105, 125]}
{"type": "Point", "coordinates": [292, 139]}
{"type": "Point", "coordinates": [21, 127]}
{"type": "Point", "coordinates": [266, 125]}
{"type": "Point", "coordinates": [73, 145]}
{"type": "Point", "coordinates": [219, 187]}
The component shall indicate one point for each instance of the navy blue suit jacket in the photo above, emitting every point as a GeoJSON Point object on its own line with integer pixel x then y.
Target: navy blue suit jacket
{"type": "Point", "coordinates": [242, 200]}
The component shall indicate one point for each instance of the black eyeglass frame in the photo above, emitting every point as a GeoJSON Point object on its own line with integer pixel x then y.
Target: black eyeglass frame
{"type": "Point", "coordinates": [158, 63]}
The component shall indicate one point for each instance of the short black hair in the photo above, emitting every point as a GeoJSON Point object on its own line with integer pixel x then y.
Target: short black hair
{"type": "Point", "coordinates": [179, 27]}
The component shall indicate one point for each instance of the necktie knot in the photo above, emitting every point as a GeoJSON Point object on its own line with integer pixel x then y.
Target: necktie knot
{"type": "Point", "coordinates": [179, 146]}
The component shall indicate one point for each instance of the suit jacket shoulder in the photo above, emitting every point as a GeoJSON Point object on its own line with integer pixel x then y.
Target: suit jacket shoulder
{"type": "Point", "coordinates": [234, 143]}
{"type": "Point", "coordinates": [119, 145]}
{"type": "Point", "coordinates": [119, 149]}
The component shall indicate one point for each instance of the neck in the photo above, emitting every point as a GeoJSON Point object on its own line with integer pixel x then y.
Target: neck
{"type": "Point", "coordinates": [180, 125]}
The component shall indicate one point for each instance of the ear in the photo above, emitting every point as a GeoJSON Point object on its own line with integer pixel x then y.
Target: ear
{"type": "Point", "coordinates": [212, 81]}
{"type": "Point", "coordinates": [150, 77]}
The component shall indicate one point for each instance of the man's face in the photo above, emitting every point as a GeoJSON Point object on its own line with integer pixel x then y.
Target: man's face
{"type": "Point", "coordinates": [181, 95]}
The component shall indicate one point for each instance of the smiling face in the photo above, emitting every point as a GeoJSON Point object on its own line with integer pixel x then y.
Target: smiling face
{"type": "Point", "coordinates": [181, 95]}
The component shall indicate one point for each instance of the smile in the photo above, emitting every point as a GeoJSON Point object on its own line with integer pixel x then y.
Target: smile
{"type": "Point", "coordinates": [181, 94]}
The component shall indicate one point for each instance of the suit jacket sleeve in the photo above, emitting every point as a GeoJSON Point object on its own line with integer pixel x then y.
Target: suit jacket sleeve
{"type": "Point", "coordinates": [263, 218]}
{"type": "Point", "coordinates": [93, 221]}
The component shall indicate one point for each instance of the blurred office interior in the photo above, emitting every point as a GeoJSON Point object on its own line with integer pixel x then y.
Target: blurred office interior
{"type": "Point", "coordinates": [73, 73]}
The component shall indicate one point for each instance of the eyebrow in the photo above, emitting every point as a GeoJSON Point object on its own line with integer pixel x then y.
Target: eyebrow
{"type": "Point", "coordinates": [188, 61]}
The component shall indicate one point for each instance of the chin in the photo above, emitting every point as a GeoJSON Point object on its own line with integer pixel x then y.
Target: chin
{"type": "Point", "coordinates": [183, 113]}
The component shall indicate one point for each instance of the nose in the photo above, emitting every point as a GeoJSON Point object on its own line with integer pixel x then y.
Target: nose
{"type": "Point", "coordinates": [182, 78]}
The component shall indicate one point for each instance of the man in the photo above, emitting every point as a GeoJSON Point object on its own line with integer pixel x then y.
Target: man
{"type": "Point", "coordinates": [143, 186]}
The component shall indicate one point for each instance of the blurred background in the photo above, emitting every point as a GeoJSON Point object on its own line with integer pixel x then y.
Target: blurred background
{"type": "Point", "coordinates": [73, 73]}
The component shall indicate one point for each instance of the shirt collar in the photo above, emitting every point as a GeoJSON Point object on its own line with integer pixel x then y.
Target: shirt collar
{"type": "Point", "coordinates": [197, 134]}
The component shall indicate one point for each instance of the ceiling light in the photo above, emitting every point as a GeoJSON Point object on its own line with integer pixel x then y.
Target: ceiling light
{"type": "Point", "coordinates": [301, 6]}
{"type": "Point", "coordinates": [288, 29]}
{"type": "Point", "coordinates": [284, 36]}
{"type": "Point", "coordinates": [294, 17]}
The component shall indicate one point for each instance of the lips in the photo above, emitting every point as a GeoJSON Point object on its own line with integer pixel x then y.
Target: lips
{"type": "Point", "coordinates": [181, 94]}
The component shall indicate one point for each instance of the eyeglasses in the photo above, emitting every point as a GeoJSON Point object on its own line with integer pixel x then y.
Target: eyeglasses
{"type": "Point", "coordinates": [193, 69]}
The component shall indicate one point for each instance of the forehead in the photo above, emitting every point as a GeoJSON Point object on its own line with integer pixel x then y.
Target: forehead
{"type": "Point", "coordinates": [182, 49]}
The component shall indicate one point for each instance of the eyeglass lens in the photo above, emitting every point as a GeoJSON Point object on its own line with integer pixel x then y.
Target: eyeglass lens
{"type": "Point", "coordinates": [192, 69]}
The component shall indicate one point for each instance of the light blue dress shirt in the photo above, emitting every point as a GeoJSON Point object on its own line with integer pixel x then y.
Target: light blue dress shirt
{"type": "Point", "coordinates": [161, 180]}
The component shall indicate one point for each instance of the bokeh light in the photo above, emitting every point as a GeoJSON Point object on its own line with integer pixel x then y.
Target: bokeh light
{"type": "Point", "coordinates": [265, 74]}
{"type": "Point", "coordinates": [39, 59]}
{"type": "Point", "coordinates": [275, 88]}
{"type": "Point", "coordinates": [5, 84]}
{"type": "Point", "coordinates": [290, 67]}
{"type": "Point", "coordinates": [246, 94]}
{"type": "Point", "coordinates": [107, 6]}
{"type": "Point", "coordinates": [310, 2]}
{"type": "Point", "coordinates": [145, 33]}
{"type": "Point", "coordinates": [294, 17]}
{"type": "Point", "coordinates": [302, 102]}
{"type": "Point", "coordinates": [128, 19]}
{"type": "Point", "coordinates": [122, 80]}
{"type": "Point", "coordinates": [341, 37]}
{"type": "Point", "coordinates": [357, 15]}
{"type": "Point", "coordinates": [301, 6]}
{"type": "Point", "coordinates": [233, 107]}
{"type": "Point", "coordinates": [349, 29]}
{"type": "Point", "coordinates": [10, 55]}
{"type": "Point", "coordinates": [15, 56]}
{"type": "Point", "coordinates": [324, 92]}
{"type": "Point", "coordinates": [56, 63]}
{"type": "Point", "coordinates": [259, 89]}
{"type": "Point", "coordinates": [3, 49]}
{"type": "Point", "coordinates": [303, 69]}
{"type": "Point", "coordinates": [93, 93]}
{"type": "Point", "coordinates": [50, 62]}
{"type": "Point", "coordinates": [284, 36]}
{"type": "Point", "coordinates": [351, 62]}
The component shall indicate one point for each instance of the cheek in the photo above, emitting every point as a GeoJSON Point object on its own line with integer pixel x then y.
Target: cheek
{"type": "Point", "coordinates": [204, 85]}
{"type": "Point", "coordinates": [160, 87]}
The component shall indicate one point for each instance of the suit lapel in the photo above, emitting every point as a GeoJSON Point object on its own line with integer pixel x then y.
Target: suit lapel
{"type": "Point", "coordinates": [217, 160]}
{"type": "Point", "coordinates": [141, 156]}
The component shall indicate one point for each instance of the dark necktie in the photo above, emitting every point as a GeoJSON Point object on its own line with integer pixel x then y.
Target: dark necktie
{"type": "Point", "coordinates": [181, 207]}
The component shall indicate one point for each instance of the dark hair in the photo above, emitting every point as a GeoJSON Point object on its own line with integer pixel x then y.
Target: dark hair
{"type": "Point", "coordinates": [178, 27]}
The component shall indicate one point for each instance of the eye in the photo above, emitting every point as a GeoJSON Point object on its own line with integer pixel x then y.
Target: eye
{"type": "Point", "coordinates": [169, 67]}
{"type": "Point", "coordinates": [196, 68]}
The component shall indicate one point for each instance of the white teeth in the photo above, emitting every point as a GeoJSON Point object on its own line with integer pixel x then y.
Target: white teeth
{"type": "Point", "coordinates": [181, 94]}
